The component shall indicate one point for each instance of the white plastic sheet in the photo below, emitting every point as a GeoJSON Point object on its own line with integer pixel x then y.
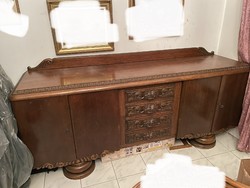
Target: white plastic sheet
{"type": "Point", "coordinates": [16, 161]}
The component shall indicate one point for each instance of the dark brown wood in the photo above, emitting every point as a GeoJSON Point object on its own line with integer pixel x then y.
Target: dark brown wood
{"type": "Point", "coordinates": [95, 119]}
{"type": "Point", "coordinates": [44, 125]}
{"type": "Point", "coordinates": [137, 71]}
{"type": "Point", "coordinates": [204, 142]}
{"type": "Point", "coordinates": [198, 103]}
{"type": "Point", "coordinates": [74, 110]}
{"type": "Point", "coordinates": [229, 105]}
{"type": "Point", "coordinates": [79, 170]}
{"type": "Point", "coordinates": [210, 106]}
{"type": "Point", "coordinates": [150, 113]}
{"type": "Point", "coordinates": [93, 60]}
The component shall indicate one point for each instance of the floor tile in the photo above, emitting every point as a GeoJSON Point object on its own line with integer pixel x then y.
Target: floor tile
{"type": "Point", "coordinates": [151, 157]}
{"type": "Point", "coordinates": [234, 132]}
{"type": "Point", "coordinates": [241, 155]}
{"type": "Point", "coordinates": [227, 140]}
{"type": "Point", "coordinates": [37, 180]}
{"type": "Point", "coordinates": [178, 142]}
{"type": "Point", "coordinates": [202, 162]}
{"type": "Point", "coordinates": [191, 152]}
{"type": "Point", "coordinates": [126, 172]}
{"type": "Point", "coordinates": [128, 166]}
{"type": "Point", "coordinates": [227, 163]}
{"type": "Point", "coordinates": [58, 180]}
{"type": "Point", "coordinates": [130, 181]}
{"type": "Point", "coordinates": [103, 172]}
{"type": "Point", "coordinates": [217, 149]}
{"type": "Point", "coordinates": [109, 184]}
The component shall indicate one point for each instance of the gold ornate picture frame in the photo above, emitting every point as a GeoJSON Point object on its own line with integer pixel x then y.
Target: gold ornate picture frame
{"type": "Point", "coordinates": [131, 3]}
{"type": "Point", "coordinates": [16, 6]}
{"type": "Point", "coordinates": [60, 50]}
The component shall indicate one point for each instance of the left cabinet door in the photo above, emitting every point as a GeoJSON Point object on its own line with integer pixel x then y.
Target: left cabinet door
{"type": "Point", "coordinates": [96, 122]}
{"type": "Point", "coordinates": [44, 125]}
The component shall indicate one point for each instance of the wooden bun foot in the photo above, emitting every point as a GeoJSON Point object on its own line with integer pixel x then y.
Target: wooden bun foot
{"type": "Point", "coordinates": [205, 142]}
{"type": "Point", "coordinates": [79, 170]}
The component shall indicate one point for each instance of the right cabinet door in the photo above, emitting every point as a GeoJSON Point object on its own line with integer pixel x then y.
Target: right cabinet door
{"type": "Point", "coordinates": [229, 104]}
{"type": "Point", "coordinates": [210, 105]}
{"type": "Point", "coordinates": [197, 106]}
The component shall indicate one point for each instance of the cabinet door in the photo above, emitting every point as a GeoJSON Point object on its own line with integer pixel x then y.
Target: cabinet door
{"type": "Point", "coordinates": [197, 107]}
{"type": "Point", "coordinates": [95, 118]}
{"type": "Point", "coordinates": [230, 100]}
{"type": "Point", "coordinates": [45, 127]}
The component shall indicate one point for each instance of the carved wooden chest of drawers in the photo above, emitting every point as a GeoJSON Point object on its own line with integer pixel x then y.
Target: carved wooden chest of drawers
{"type": "Point", "coordinates": [71, 111]}
{"type": "Point", "coordinates": [149, 113]}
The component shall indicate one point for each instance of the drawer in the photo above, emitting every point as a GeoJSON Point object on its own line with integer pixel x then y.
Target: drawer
{"type": "Point", "coordinates": [149, 93]}
{"type": "Point", "coordinates": [148, 122]}
{"type": "Point", "coordinates": [146, 136]}
{"type": "Point", "coordinates": [149, 108]}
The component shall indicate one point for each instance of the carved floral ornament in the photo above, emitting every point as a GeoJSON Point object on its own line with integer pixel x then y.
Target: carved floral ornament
{"type": "Point", "coordinates": [145, 136]}
{"type": "Point", "coordinates": [147, 123]}
{"type": "Point", "coordinates": [149, 94]}
{"type": "Point", "coordinates": [87, 26]}
{"type": "Point", "coordinates": [67, 163]}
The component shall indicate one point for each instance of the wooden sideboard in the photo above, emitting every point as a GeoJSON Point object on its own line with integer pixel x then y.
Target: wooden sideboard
{"type": "Point", "coordinates": [72, 110]}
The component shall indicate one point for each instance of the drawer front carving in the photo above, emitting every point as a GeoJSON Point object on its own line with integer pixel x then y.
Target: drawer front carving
{"type": "Point", "coordinates": [149, 108]}
{"type": "Point", "coordinates": [150, 113]}
{"type": "Point", "coordinates": [132, 125]}
{"type": "Point", "coordinates": [147, 94]}
{"type": "Point", "coordinates": [146, 136]}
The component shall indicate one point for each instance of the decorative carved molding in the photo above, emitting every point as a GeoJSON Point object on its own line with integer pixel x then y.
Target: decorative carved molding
{"type": "Point", "coordinates": [128, 80]}
{"type": "Point", "coordinates": [149, 94]}
{"type": "Point", "coordinates": [45, 63]}
{"type": "Point", "coordinates": [205, 52]}
{"type": "Point", "coordinates": [138, 137]}
{"type": "Point", "coordinates": [132, 125]}
{"type": "Point", "coordinates": [149, 108]}
{"type": "Point", "coordinates": [67, 163]}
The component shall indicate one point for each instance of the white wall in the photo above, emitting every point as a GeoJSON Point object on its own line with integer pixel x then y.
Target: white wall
{"type": "Point", "coordinates": [203, 24]}
{"type": "Point", "coordinates": [228, 42]}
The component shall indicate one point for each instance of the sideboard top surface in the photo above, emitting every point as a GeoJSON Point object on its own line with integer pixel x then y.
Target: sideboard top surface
{"type": "Point", "coordinates": [50, 80]}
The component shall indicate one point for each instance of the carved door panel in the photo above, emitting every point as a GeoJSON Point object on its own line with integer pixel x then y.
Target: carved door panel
{"type": "Point", "coordinates": [197, 107]}
{"type": "Point", "coordinates": [45, 127]}
{"type": "Point", "coordinates": [230, 100]}
{"type": "Point", "coordinates": [95, 118]}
